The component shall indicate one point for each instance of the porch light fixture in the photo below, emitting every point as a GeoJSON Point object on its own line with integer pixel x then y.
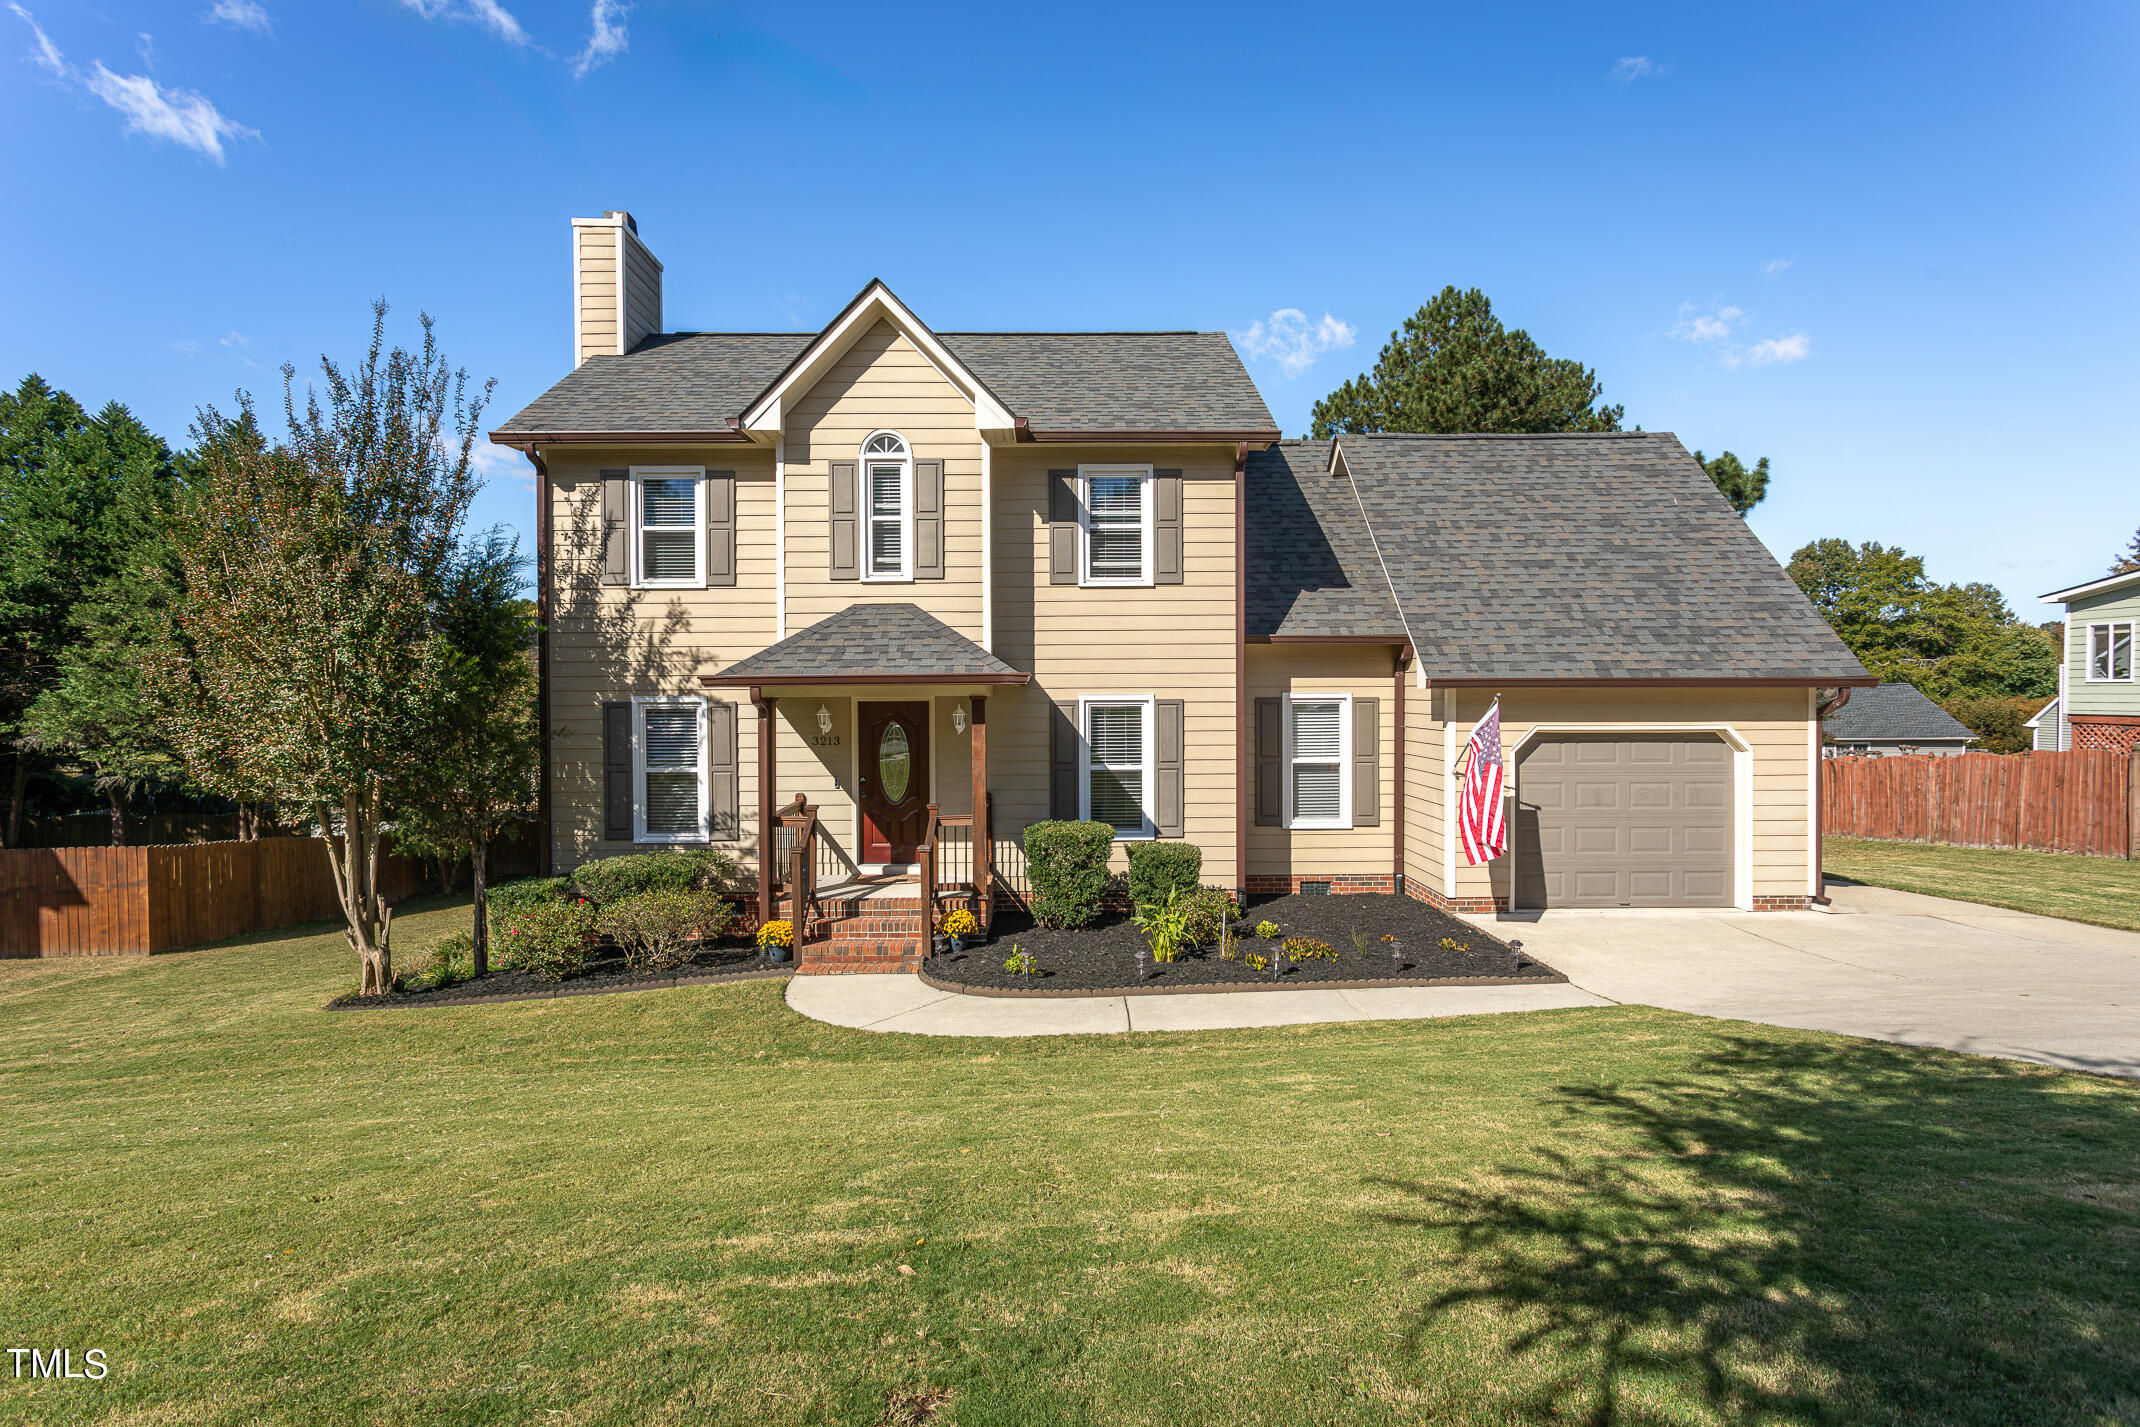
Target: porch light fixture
{"type": "Point", "coordinates": [958, 719]}
{"type": "Point", "coordinates": [824, 719]}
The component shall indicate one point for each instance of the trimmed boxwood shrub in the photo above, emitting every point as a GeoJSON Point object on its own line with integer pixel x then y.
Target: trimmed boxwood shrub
{"type": "Point", "coordinates": [1157, 868]}
{"type": "Point", "coordinates": [676, 869]}
{"type": "Point", "coordinates": [509, 897]}
{"type": "Point", "coordinates": [1066, 864]}
{"type": "Point", "coordinates": [551, 939]}
{"type": "Point", "coordinates": [1205, 912]}
{"type": "Point", "coordinates": [657, 929]}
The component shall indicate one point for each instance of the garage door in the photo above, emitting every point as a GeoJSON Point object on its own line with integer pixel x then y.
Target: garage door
{"type": "Point", "coordinates": [1624, 821]}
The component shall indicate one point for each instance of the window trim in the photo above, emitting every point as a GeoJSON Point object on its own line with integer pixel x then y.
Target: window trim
{"type": "Point", "coordinates": [1149, 703]}
{"type": "Point", "coordinates": [1085, 577]}
{"type": "Point", "coordinates": [2132, 651]}
{"type": "Point", "coordinates": [865, 509]}
{"type": "Point", "coordinates": [639, 476]}
{"type": "Point", "coordinates": [1343, 821]}
{"type": "Point", "coordinates": [640, 703]}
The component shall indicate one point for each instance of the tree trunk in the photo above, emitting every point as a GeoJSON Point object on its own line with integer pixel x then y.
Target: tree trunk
{"type": "Point", "coordinates": [478, 859]}
{"type": "Point", "coordinates": [248, 822]}
{"type": "Point", "coordinates": [356, 875]}
{"type": "Point", "coordinates": [117, 799]}
{"type": "Point", "coordinates": [18, 781]}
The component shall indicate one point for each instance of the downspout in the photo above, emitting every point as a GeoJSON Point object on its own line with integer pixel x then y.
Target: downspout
{"type": "Point", "coordinates": [1397, 682]}
{"type": "Point", "coordinates": [544, 857]}
{"type": "Point", "coordinates": [1821, 714]}
{"type": "Point", "coordinates": [1242, 731]}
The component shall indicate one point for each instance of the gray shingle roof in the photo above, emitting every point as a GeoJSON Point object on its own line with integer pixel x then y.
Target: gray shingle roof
{"type": "Point", "coordinates": [1584, 556]}
{"type": "Point", "coordinates": [1057, 381]}
{"type": "Point", "coordinates": [872, 641]}
{"type": "Point", "coordinates": [1893, 713]}
{"type": "Point", "coordinates": [1312, 569]}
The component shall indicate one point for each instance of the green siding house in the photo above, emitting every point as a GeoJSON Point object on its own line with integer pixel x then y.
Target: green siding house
{"type": "Point", "coordinates": [2098, 704]}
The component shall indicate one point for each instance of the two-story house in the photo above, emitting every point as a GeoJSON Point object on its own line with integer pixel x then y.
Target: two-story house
{"type": "Point", "coordinates": [2098, 703]}
{"type": "Point", "coordinates": [1011, 576]}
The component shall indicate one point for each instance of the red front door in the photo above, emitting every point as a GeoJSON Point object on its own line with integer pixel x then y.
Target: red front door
{"type": "Point", "coordinates": [894, 759]}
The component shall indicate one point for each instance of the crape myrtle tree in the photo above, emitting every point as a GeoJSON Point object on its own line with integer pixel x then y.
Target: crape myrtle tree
{"type": "Point", "coordinates": [483, 743]}
{"type": "Point", "coordinates": [308, 668]}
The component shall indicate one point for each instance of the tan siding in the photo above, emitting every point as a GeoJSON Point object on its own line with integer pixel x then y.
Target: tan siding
{"type": "Point", "coordinates": [1170, 641]}
{"type": "Point", "coordinates": [1364, 672]}
{"type": "Point", "coordinates": [1423, 779]}
{"type": "Point", "coordinates": [642, 293]}
{"type": "Point", "coordinates": [594, 292]}
{"type": "Point", "coordinates": [1772, 721]}
{"type": "Point", "coordinates": [882, 382]}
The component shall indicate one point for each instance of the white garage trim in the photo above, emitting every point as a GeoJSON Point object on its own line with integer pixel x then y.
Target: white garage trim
{"type": "Point", "coordinates": [1742, 789]}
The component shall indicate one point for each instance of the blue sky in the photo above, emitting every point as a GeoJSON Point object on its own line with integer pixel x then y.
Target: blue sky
{"type": "Point", "coordinates": [1891, 248]}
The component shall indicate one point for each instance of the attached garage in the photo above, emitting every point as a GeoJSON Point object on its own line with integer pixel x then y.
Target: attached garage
{"type": "Point", "coordinates": [1624, 820]}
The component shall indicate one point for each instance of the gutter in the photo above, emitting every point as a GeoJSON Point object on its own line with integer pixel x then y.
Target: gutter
{"type": "Point", "coordinates": [1821, 715]}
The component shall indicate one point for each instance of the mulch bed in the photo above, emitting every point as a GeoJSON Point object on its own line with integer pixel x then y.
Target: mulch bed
{"type": "Point", "coordinates": [724, 961]}
{"type": "Point", "coordinates": [1103, 956]}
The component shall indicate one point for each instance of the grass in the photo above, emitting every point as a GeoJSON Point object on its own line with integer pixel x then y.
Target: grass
{"type": "Point", "coordinates": [2104, 891]}
{"type": "Point", "coordinates": [693, 1205]}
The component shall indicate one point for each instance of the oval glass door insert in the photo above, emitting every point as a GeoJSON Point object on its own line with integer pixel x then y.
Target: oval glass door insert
{"type": "Point", "coordinates": [895, 763]}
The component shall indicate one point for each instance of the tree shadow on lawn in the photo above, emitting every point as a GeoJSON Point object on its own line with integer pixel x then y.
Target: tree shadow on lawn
{"type": "Point", "coordinates": [1810, 1232]}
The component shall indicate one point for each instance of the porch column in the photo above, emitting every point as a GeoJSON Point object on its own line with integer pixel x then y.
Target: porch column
{"type": "Point", "coordinates": [768, 835]}
{"type": "Point", "coordinates": [983, 848]}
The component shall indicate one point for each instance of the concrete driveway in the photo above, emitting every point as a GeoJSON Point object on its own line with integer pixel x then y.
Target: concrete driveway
{"type": "Point", "coordinates": [1891, 966]}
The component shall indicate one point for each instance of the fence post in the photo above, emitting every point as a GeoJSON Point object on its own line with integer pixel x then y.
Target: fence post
{"type": "Point", "coordinates": [2132, 804]}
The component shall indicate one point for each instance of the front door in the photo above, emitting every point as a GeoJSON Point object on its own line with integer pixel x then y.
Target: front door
{"type": "Point", "coordinates": [894, 755]}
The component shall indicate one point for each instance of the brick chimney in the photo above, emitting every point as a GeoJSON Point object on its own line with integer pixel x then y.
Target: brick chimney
{"type": "Point", "coordinates": [616, 286]}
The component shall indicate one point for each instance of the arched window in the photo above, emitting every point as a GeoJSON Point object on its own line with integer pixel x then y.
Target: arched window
{"type": "Point", "coordinates": [888, 496]}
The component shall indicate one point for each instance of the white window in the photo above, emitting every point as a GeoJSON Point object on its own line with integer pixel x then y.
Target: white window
{"type": "Point", "coordinates": [2110, 652]}
{"type": "Point", "coordinates": [1117, 784]}
{"type": "Point", "coordinates": [887, 507]}
{"type": "Point", "coordinates": [668, 526]}
{"type": "Point", "coordinates": [1318, 760]}
{"type": "Point", "coordinates": [669, 792]}
{"type": "Point", "coordinates": [1115, 525]}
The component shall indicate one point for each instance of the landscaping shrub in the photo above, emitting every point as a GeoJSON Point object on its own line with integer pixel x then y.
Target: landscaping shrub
{"type": "Point", "coordinates": [509, 897]}
{"type": "Point", "coordinates": [1155, 868]}
{"type": "Point", "coordinates": [1066, 863]}
{"type": "Point", "coordinates": [676, 869]}
{"type": "Point", "coordinates": [453, 958]}
{"type": "Point", "coordinates": [657, 929]}
{"type": "Point", "coordinates": [1205, 913]}
{"type": "Point", "coordinates": [1162, 924]}
{"type": "Point", "coordinates": [551, 939]}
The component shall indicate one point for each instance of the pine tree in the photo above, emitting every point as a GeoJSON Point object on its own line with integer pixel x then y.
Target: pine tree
{"type": "Point", "coordinates": [1743, 488]}
{"type": "Point", "coordinates": [2130, 560]}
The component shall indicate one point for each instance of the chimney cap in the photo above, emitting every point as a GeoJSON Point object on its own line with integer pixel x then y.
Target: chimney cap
{"type": "Point", "coordinates": [629, 221]}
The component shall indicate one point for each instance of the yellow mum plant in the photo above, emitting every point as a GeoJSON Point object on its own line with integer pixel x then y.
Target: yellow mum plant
{"type": "Point", "coordinates": [960, 922]}
{"type": "Point", "coordinates": [776, 933]}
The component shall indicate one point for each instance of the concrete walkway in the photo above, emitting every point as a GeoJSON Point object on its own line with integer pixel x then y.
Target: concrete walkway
{"type": "Point", "coordinates": [1884, 965]}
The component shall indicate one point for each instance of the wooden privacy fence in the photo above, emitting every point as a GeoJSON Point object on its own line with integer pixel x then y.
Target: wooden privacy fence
{"type": "Point", "coordinates": [96, 901]}
{"type": "Point", "coordinates": [2083, 801]}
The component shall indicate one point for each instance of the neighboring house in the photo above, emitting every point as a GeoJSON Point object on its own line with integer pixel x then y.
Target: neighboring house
{"type": "Point", "coordinates": [2098, 685]}
{"type": "Point", "coordinates": [1029, 575]}
{"type": "Point", "coordinates": [1894, 718]}
{"type": "Point", "coordinates": [2048, 732]}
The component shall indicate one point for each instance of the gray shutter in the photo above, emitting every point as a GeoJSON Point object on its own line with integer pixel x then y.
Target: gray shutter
{"type": "Point", "coordinates": [1168, 786]}
{"type": "Point", "coordinates": [1062, 527]}
{"type": "Point", "coordinates": [720, 527]}
{"type": "Point", "coordinates": [1270, 762]}
{"type": "Point", "coordinates": [616, 518]}
{"type": "Point", "coordinates": [1166, 527]}
{"type": "Point", "coordinates": [844, 535]}
{"type": "Point", "coordinates": [1367, 763]}
{"type": "Point", "coordinates": [928, 520]}
{"type": "Point", "coordinates": [617, 772]}
{"type": "Point", "coordinates": [1062, 762]}
{"type": "Point", "coordinates": [724, 788]}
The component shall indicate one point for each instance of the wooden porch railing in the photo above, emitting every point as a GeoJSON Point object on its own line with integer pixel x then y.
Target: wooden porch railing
{"type": "Point", "coordinates": [931, 855]}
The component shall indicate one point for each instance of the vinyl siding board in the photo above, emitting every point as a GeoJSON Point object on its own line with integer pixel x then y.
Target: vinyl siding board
{"type": "Point", "coordinates": [2082, 697]}
{"type": "Point", "coordinates": [1364, 671]}
{"type": "Point", "coordinates": [642, 293]}
{"type": "Point", "coordinates": [595, 290]}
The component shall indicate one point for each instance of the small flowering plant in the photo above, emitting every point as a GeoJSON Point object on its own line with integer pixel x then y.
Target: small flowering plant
{"type": "Point", "coordinates": [1020, 961]}
{"type": "Point", "coordinates": [959, 922]}
{"type": "Point", "coordinates": [1307, 948]}
{"type": "Point", "coordinates": [779, 932]}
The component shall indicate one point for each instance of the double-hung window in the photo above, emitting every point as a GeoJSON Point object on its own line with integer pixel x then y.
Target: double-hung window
{"type": "Point", "coordinates": [668, 526]}
{"type": "Point", "coordinates": [888, 507]}
{"type": "Point", "coordinates": [1115, 525]}
{"type": "Point", "coordinates": [1117, 784]}
{"type": "Point", "coordinates": [1318, 760]}
{"type": "Point", "coordinates": [2110, 652]}
{"type": "Point", "coordinates": [669, 773]}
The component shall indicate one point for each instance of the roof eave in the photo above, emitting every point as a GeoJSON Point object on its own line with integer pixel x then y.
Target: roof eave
{"type": "Point", "coordinates": [2093, 587]}
{"type": "Point", "coordinates": [1228, 437]}
{"type": "Point", "coordinates": [587, 438]}
{"type": "Point", "coordinates": [739, 681]}
{"type": "Point", "coordinates": [1741, 681]}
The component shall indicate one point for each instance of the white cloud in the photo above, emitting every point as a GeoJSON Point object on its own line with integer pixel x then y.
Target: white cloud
{"type": "Point", "coordinates": [145, 46]}
{"type": "Point", "coordinates": [489, 14]}
{"type": "Point", "coordinates": [186, 349]}
{"type": "Point", "coordinates": [235, 339]}
{"type": "Point", "coordinates": [491, 462]}
{"type": "Point", "coordinates": [178, 115]}
{"type": "Point", "coordinates": [1774, 267]}
{"type": "Point", "coordinates": [1794, 348]}
{"type": "Point", "coordinates": [1294, 342]}
{"type": "Point", "coordinates": [1629, 68]}
{"type": "Point", "coordinates": [606, 40]}
{"type": "Point", "coordinates": [242, 15]}
{"type": "Point", "coordinates": [1698, 326]}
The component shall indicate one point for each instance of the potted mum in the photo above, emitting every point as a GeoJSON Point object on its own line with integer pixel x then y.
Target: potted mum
{"type": "Point", "coordinates": [958, 925]}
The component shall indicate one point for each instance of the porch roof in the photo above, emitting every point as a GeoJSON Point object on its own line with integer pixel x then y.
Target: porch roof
{"type": "Point", "coordinates": [888, 643]}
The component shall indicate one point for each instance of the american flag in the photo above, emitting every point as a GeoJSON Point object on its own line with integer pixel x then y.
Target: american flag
{"type": "Point", "coordinates": [1478, 811]}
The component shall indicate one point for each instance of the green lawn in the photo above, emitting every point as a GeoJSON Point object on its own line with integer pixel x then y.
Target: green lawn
{"type": "Point", "coordinates": [2102, 890]}
{"type": "Point", "coordinates": [692, 1205]}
